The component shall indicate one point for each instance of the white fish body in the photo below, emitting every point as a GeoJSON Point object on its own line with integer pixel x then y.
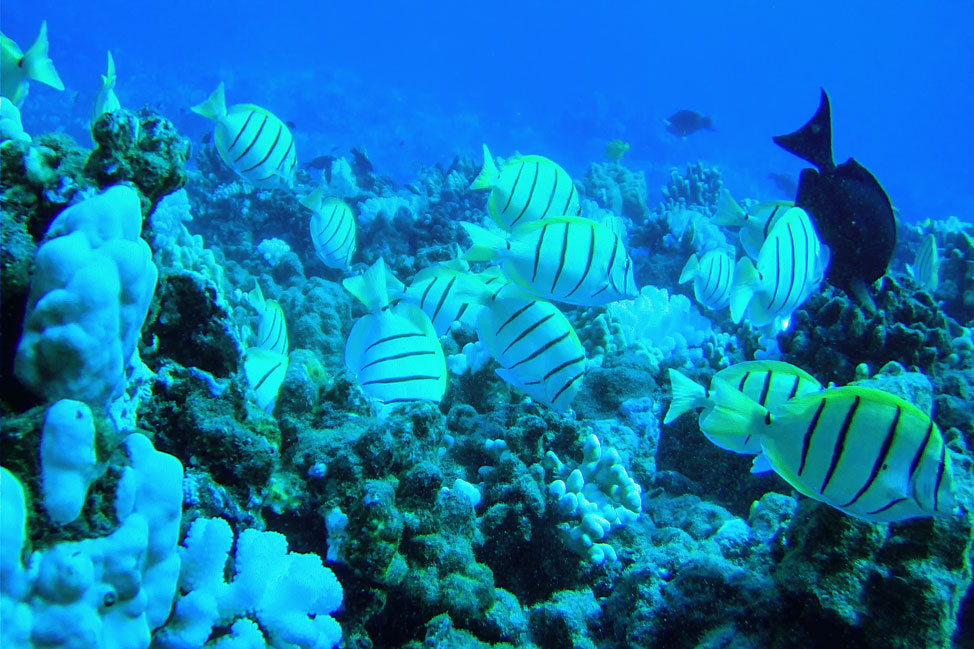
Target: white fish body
{"type": "Point", "coordinates": [447, 293]}
{"type": "Point", "coordinates": [925, 270]}
{"type": "Point", "coordinates": [18, 68]}
{"type": "Point", "coordinates": [525, 189]}
{"type": "Point", "coordinates": [790, 266]}
{"type": "Point", "coordinates": [535, 344]}
{"type": "Point", "coordinates": [266, 362]}
{"type": "Point", "coordinates": [393, 352]}
{"type": "Point", "coordinates": [566, 259]}
{"type": "Point", "coordinates": [332, 230]}
{"type": "Point", "coordinates": [252, 141]}
{"type": "Point", "coordinates": [712, 277]}
{"type": "Point", "coordinates": [106, 101]}
{"type": "Point", "coordinates": [755, 222]}
{"type": "Point", "coordinates": [11, 127]}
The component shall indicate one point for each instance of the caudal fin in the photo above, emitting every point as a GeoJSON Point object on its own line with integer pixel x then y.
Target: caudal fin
{"type": "Point", "coordinates": [486, 245]}
{"type": "Point", "coordinates": [746, 282]}
{"type": "Point", "coordinates": [215, 106]}
{"type": "Point", "coordinates": [734, 413]}
{"type": "Point", "coordinates": [813, 141]}
{"type": "Point", "coordinates": [690, 269]}
{"type": "Point", "coordinates": [488, 175]}
{"type": "Point", "coordinates": [687, 395]}
{"type": "Point", "coordinates": [37, 65]}
{"type": "Point", "coordinates": [729, 212]}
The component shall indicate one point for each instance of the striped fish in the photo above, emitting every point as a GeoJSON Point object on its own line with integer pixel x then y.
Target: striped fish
{"type": "Point", "coordinates": [790, 266]}
{"type": "Point", "coordinates": [755, 222]}
{"type": "Point", "coordinates": [526, 188]}
{"type": "Point", "coordinates": [447, 293]}
{"type": "Point", "coordinates": [265, 363]}
{"type": "Point", "coordinates": [332, 229]}
{"type": "Point", "coordinates": [534, 343]}
{"type": "Point", "coordinates": [106, 101]}
{"type": "Point", "coordinates": [567, 259]}
{"type": "Point", "coordinates": [18, 68]}
{"type": "Point", "coordinates": [863, 451]}
{"type": "Point", "coordinates": [252, 141]}
{"type": "Point", "coordinates": [712, 276]}
{"type": "Point", "coordinates": [393, 352]}
{"type": "Point", "coordinates": [925, 270]}
{"type": "Point", "coordinates": [769, 383]}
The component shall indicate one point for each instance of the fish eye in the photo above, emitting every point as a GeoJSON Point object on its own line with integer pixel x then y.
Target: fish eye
{"type": "Point", "coordinates": [109, 599]}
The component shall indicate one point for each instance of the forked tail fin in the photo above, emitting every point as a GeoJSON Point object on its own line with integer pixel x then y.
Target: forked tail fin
{"type": "Point", "coordinates": [813, 141]}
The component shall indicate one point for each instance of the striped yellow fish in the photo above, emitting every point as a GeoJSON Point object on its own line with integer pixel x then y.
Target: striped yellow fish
{"type": "Point", "coordinates": [447, 293]}
{"type": "Point", "coordinates": [393, 352]}
{"type": "Point", "coordinates": [18, 68]}
{"type": "Point", "coordinates": [567, 259]}
{"type": "Point", "coordinates": [534, 343]}
{"type": "Point", "coordinates": [712, 276]}
{"type": "Point", "coordinates": [332, 229]}
{"type": "Point", "coordinates": [755, 222]}
{"type": "Point", "coordinates": [769, 383]}
{"type": "Point", "coordinates": [252, 141]}
{"type": "Point", "coordinates": [266, 362]}
{"type": "Point", "coordinates": [526, 188]}
{"type": "Point", "coordinates": [863, 451]}
{"type": "Point", "coordinates": [925, 270]}
{"type": "Point", "coordinates": [790, 266]}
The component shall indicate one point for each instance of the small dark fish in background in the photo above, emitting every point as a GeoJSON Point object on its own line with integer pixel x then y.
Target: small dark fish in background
{"type": "Point", "coordinates": [687, 122]}
{"type": "Point", "coordinates": [848, 206]}
{"type": "Point", "coordinates": [785, 183]}
{"type": "Point", "coordinates": [290, 125]}
{"type": "Point", "coordinates": [321, 162]}
{"type": "Point", "coordinates": [360, 161]}
{"type": "Point", "coordinates": [207, 137]}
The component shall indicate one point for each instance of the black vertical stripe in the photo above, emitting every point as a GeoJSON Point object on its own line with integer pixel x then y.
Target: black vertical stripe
{"type": "Point", "coordinates": [568, 363]}
{"type": "Point", "coordinates": [567, 385]}
{"type": "Point", "coordinates": [527, 203]}
{"type": "Point", "coordinates": [551, 198]}
{"type": "Point", "coordinates": [740, 385]}
{"type": "Point", "coordinates": [809, 433]}
{"type": "Point", "coordinates": [919, 454]}
{"type": "Point", "coordinates": [794, 387]}
{"type": "Point", "coordinates": [765, 387]}
{"type": "Point", "coordinates": [588, 261]}
{"type": "Point", "coordinates": [940, 476]}
{"type": "Point", "coordinates": [777, 272]}
{"type": "Point", "coordinates": [240, 132]}
{"type": "Point", "coordinates": [791, 258]}
{"type": "Point", "coordinates": [394, 337]}
{"type": "Point", "coordinates": [331, 217]}
{"type": "Point", "coordinates": [254, 141]}
{"type": "Point", "coordinates": [290, 146]}
{"type": "Point", "coordinates": [267, 375]}
{"type": "Point", "coordinates": [880, 458]}
{"type": "Point", "coordinates": [514, 316]}
{"type": "Point", "coordinates": [513, 188]}
{"type": "Point", "coordinates": [568, 203]}
{"type": "Point", "coordinates": [888, 505]}
{"type": "Point", "coordinates": [277, 138]}
{"type": "Point", "coordinates": [561, 258]}
{"type": "Point", "coordinates": [396, 357]}
{"type": "Point", "coordinates": [443, 296]}
{"type": "Point", "coordinates": [839, 447]}
{"type": "Point", "coordinates": [767, 224]}
{"type": "Point", "coordinates": [808, 249]}
{"type": "Point", "coordinates": [338, 226]}
{"type": "Point", "coordinates": [426, 291]}
{"type": "Point", "coordinates": [537, 252]}
{"type": "Point", "coordinates": [527, 331]}
{"type": "Point", "coordinates": [540, 350]}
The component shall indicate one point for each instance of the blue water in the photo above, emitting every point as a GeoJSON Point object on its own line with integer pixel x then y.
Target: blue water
{"type": "Point", "coordinates": [417, 83]}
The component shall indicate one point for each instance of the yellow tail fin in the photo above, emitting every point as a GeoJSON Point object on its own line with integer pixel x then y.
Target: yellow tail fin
{"type": "Point", "coordinates": [486, 245]}
{"type": "Point", "coordinates": [687, 395]}
{"type": "Point", "coordinates": [746, 280]}
{"type": "Point", "coordinates": [488, 175]}
{"type": "Point", "coordinates": [690, 270]}
{"type": "Point", "coordinates": [215, 106]}
{"type": "Point", "coordinates": [728, 211]}
{"type": "Point", "coordinates": [37, 65]}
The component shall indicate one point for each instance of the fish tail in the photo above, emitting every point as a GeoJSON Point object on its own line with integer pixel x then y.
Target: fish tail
{"type": "Point", "coordinates": [256, 298]}
{"type": "Point", "coordinates": [813, 141]}
{"type": "Point", "coordinates": [215, 106]}
{"type": "Point", "coordinates": [37, 65]}
{"type": "Point", "coordinates": [734, 413]}
{"type": "Point", "coordinates": [109, 78]}
{"type": "Point", "coordinates": [488, 175]}
{"type": "Point", "coordinates": [690, 270]}
{"type": "Point", "coordinates": [371, 288]}
{"type": "Point", "coordinates": [746, 278]}
{"type": "Point", "coordinates": [486, 244]}
{"type": "Point", "coordinates": [313, 200]}
{"type": "Point", "coordinates": [687, 395]}
{"type": "Point", "coordinates": [728, 211]}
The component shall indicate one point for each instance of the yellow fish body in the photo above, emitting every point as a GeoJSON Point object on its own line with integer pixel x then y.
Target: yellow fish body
{"type": "Point", "coordinates": [252, 141]}
{"type": "Point", "coordinates": [525, 189]}
{"type": "Point", "coordinates": [615, 149]}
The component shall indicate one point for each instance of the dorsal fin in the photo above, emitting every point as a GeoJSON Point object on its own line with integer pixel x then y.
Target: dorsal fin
{"type": "Point", "coordinates": [813, 141]}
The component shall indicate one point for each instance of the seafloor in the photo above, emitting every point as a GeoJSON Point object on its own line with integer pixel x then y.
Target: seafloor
{"type": "Point", "coordinates": [438, 521]}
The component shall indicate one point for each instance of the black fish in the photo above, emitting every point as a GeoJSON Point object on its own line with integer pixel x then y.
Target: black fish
{"type": "Point", "coordinates": [687, 122]}
{"type": "Point", "coordinates": [849, 207]}
{"type": "Point", "coordinates": [207, 137]}
{"type": "Point", "coordinates": [785, 183]}
{"type": "Point", "coordinates": [360, 162]}
{"type": "Point", "coordinates": [290, 125]}
{"type": "Point", "coordinates": [321, 162]}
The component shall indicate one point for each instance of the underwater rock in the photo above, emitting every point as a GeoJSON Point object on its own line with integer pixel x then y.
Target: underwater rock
{"type": "Point", "coordinates": [618, 189]}
{"type": "Point", "coordinates": [143, 148]}
{"type": "Point", "coordinates": [698, 189]}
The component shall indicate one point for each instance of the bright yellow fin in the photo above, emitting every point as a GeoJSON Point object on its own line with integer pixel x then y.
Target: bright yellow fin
{"type": "Point", "coordinates": [371, 288]}
{"type": "Point", "coordinates": [488, 175]}
{"type": "Point", "coordinates": [728, 211]}
{"type": "Point", "coordinates": [37, 65]}
{"type": "Point", "coordinates": [215, 106]}
{"type": "Point", "coordinates": [690, 269]}
{"type": "Point", "coordinates": [687, 395]}
{"type": "Point", "coordinates": [486, 245]}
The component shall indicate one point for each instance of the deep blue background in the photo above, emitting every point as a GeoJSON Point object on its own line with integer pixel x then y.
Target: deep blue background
{"type": "Point", "coordinates": [416, 83]}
